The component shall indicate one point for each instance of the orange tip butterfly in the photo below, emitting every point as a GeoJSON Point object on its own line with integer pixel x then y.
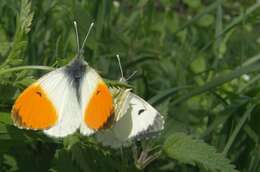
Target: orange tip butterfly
{"type": "Point", "coordinates": [67, 99]}
{"type": "Point", "coordinates": [134, 118]}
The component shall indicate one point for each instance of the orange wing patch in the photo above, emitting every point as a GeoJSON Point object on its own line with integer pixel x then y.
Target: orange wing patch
{"type": "Point", "coordinates": [100, 107]}
{"type": "Point", "coordinates": [33, 109]}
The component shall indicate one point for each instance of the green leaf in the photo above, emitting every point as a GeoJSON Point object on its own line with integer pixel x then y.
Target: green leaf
{"type": "Point", "coordinates": [185, 149]}
{"type": "Point", "coordinates": [236, 21]}
{"type": "Point", "coordinates": [165, 94]}
{"type": "Point", "coordinates": [63, 162]}
{"type": "Point", "coordinates": [139, 60]}
{"type": "Point", "coordinates": [205, 11]}
{"type": "Point", "coordinates": [193, 3]}
{"type": "Point", "coordinates": [218, 81]}
{"type": "Point", "coordinates": [14, 69]}
{"type": "Point", "coordinates": [25, 16]}
{"type": "Point", "coordinates": [88, 157]}
{"type": "Point", "coordinates": [10, 162]}
{"type": "Point", "coordinates": [5, 118]}
{"type": "Point", "coordinates": [206, 20]}
{"type": "Point", "coordinates": [5, 44]}
{"type": "Point", "coordinates": [238, 128]}
{"type": "Point", "coordinates": [24, 20]}
{"type": "Point", "coordinates": [78, 157]}
{"type": "Point", "coordinates": [199, 65]}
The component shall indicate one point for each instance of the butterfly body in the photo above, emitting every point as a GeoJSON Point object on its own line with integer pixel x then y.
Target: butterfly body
{"type": "Point", "coordinates": [75, 70]}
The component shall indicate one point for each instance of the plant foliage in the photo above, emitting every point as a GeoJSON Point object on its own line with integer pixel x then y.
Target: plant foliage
{"type": "Point", "coordinates": [187, 150]}
{"type": "Point", "coordinates": [197, 62]}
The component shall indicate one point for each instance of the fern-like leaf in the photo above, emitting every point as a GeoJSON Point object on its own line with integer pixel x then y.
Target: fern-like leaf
{"type": "Point", "coordinates": [23, 24]}
{"type": "Point", "coordinates": [185, 149]}
{"type": "Point", "coordinates": [63, 162]}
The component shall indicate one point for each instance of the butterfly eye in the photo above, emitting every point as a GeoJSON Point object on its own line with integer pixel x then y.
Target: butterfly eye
{"type": "Point", "coordinates": [141, 111]}
{"type": "Point", "coordinates": [39, 93]}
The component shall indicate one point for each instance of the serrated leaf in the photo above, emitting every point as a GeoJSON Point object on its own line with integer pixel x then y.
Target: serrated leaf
{"type": "Point", "coordinates": [4, 46]}
{"type": "Point", "coordinates": [69, 141]}
{"type": "Point", "coordinates": [187, 150]}
{"type": "Point", "coordinates": [10, 162]}
{"type": "Point", "coordinates": [63, 162]}
{"type": "Point", "coordinates": [24, 20]}
{"type": "Point", "coordinates": [78, 157]}
{"type": "Point", "coordinates": [5, 118]}
{"type": "Point", "coordinates": [89, 157]}
{"type": "Point", "coordinates": [26, 16]}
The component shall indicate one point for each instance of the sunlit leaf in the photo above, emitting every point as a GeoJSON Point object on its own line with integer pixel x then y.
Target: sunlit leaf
{"type": "Point", "coordinates": [187, 150]}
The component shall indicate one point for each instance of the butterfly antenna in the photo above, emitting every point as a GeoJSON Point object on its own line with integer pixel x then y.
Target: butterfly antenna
{"type": "Point", "coordinates": [133, 74]}
{"type": "Point", "coordinates": [77, 35]}
{"type": "Point", "coordinates": [120, 66]}
{"type": "Point", "coordinates": [86, 37]}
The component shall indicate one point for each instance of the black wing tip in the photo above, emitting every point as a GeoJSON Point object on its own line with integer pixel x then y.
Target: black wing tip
{"type": "Point", "coordinates": [153, 130]}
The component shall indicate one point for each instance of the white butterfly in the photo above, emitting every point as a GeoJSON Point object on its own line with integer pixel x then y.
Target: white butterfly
{"type": "Point", "coordinates": [134, 119]}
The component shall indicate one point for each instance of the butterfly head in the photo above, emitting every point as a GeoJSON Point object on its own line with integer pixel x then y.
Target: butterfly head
{"type": "Point", "coordinates": [77, 65]}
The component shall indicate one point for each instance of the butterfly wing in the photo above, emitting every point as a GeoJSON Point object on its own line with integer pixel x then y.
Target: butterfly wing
{"type": "Point", "coordinates": [96, 102]}
{"type": "Point", "coordinates": [121, 102]}
{"type": "Point", "coordinates": [48, 105]}
{"type": "Point", "coordinates": [140, 120]}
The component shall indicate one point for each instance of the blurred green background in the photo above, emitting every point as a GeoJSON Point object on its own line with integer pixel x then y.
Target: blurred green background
{"type": "Point", "coordinates": [197, 62]}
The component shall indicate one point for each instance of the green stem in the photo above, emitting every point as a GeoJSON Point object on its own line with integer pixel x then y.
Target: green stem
{"type": "Point", "coordinates": [25, 68]}
{"type": "Point", "coordinates": [218, 81]}
{"type": "Point", "coordinates": [238, 128]}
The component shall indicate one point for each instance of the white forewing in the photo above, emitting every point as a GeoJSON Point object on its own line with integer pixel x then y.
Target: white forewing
{"type": "Point", "coordinates": [144, 117]}
{"type": "Point", "coordinates": [140, 120]}
{"type": "Point", "coordinates": [60, 90]}
{"type": "Point", "coordinates": [87, 88]}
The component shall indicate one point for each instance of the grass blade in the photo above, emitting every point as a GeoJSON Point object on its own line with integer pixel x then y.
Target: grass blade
{"type": "Point", "coordinates": [218, 81]}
